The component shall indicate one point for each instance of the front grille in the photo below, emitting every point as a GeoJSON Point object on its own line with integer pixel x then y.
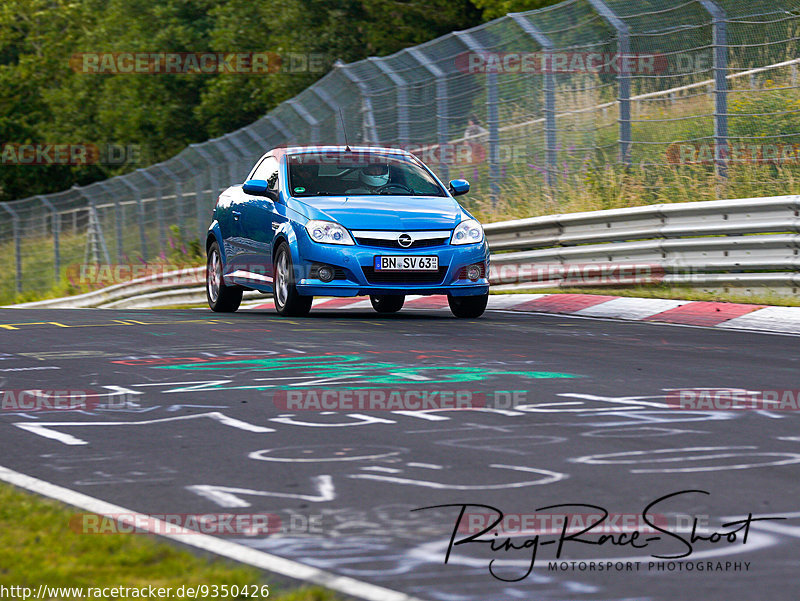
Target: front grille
{"type": "Point", "coordinates": [381, 243]}
{"type": "Point", "coordinates": [404, 277]}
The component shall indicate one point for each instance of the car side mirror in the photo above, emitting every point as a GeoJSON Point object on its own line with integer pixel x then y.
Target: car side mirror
{"type": "Point", "coordinates": [457, 187]}
{"type": "Point", "coordinates": [256, 187]}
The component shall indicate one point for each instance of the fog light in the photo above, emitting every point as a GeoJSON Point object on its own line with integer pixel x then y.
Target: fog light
{"type": "Point", "coordinates": [325, 273]}
{"type": "Point", "coordinates": [474, 272]}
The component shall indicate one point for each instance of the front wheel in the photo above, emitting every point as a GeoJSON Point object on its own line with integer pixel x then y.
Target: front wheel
{"type": "Point", "coordinates": [468, 306]}
{"type": "Point", "coordinates": [221, 298]}
{"type": "Point", "coordinates": [288, 302]}
{"type": "Point", "coordinates": [387, 303]}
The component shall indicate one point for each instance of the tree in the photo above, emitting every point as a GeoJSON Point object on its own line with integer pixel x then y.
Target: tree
{"type": "Point", "coordinates": [493, 9]}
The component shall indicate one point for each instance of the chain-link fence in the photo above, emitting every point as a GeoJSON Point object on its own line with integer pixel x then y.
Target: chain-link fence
{"type": "Point", "coordinates": [587, 104]}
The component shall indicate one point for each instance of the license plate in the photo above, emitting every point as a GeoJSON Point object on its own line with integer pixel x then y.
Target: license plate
{"type": "Point", "coordinates": [406, 263]}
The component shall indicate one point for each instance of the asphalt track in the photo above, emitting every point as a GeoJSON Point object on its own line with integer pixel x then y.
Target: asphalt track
{"type": "Point", "coordinates": [199, 430]}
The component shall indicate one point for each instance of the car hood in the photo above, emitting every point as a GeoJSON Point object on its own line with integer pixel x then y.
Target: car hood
{"type": "Point", "coordinates": [386, 212]}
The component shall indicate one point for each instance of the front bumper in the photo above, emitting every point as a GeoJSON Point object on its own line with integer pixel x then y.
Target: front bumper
{"type": "Point", "coordinates": [356, 277]}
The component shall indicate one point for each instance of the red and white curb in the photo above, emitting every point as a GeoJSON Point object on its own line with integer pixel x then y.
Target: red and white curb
{"type": "Point", "coordinates": [737, 316]}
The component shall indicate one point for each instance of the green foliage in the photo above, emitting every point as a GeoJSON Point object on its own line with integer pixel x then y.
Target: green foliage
{"type": "Point", "coordinates": [183, 251]}
{"type": "Point", "coordinates": [770, 114]}
{"type": "Point", "coordinates": [44, 100]}
{"type": "Point", "coordinates": [493, 9]}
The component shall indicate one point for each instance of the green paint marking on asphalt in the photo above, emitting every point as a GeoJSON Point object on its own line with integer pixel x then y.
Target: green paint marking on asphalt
{"type": "Point", "coordinates": [352, 372]}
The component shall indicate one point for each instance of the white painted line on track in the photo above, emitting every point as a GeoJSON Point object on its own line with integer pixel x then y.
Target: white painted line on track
{"type": "Point", "coordinates": [241, 553]}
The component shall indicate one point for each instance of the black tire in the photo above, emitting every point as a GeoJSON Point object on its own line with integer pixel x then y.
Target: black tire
{"type": "Point", "coordinates": [288, 302]}
{"type": "Point", "coordinates": [387, 303]}
{"type": "Point", "coordinates": [221, 298]}
{"type": "Point", "coordinates": [468, 306]}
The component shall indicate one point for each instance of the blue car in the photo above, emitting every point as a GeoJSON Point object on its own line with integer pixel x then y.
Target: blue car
{"type": "Point", "coordinates": [341, 221]}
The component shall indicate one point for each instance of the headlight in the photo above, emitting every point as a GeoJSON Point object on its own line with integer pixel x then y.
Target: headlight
{"type": "Point", "coordinates": [467, 232]}
{"type": "Point", "coordinates": [328, 232]}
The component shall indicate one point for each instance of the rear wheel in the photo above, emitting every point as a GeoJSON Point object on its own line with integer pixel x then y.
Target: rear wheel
{"type": "Point", "coordinates": [288, 302]}
{"type": "Point", "coordinates": [468, 306]}
{"type": "Point", "coordinates": [221, 298]}
{"type": "Point", "coordinates": [387, 303]}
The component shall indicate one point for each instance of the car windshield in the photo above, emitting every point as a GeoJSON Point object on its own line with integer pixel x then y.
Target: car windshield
{"type": "Point", "coordinates": [357, 173]}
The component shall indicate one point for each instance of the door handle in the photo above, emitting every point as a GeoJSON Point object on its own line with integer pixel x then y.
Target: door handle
{"type": "Point", "coordinates": [236, 215]}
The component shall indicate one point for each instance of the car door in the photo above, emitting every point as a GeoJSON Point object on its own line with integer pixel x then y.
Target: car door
{"type": "Point", "coordinates": [258, 215]}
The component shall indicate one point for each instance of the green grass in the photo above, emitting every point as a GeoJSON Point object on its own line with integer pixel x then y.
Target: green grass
{"type": "Point", "coordinates": [659, 291]}
{"type": "Point", "coordinates": [590, 178]}
{"type": "Point", "coordinates": [38, 265]}
{"type": "Point", "coordinates": [37, 547]}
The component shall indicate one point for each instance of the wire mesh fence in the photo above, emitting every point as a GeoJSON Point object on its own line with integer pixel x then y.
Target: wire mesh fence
{"type": "Point", "coordinates": [587, 104]}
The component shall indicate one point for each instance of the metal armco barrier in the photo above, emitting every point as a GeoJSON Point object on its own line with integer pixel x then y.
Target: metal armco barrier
{"type": "Point", "coordinates": [747, 245]}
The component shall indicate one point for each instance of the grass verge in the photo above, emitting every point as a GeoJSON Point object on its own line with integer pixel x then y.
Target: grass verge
{"type": "Point", "coordinates": [38, 547]}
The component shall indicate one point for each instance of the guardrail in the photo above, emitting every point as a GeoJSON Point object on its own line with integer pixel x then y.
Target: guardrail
{"type": "Point", "coordinates": [749, 245]}
{"type": "Point", "coordinates": [745, 244]}
{"type": "Point", "coordinates": [173, 288]}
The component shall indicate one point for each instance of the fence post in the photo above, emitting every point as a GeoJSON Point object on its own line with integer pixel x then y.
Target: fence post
{"type": "Point", "coordinates": [140, 210]}
{"type": "Point", "coordinates": [623, 77]}
{"type": "Point", "coordinates": [212, 182]}
{"type": "Point", "coordinates": [281, 127]}
{"type": "Point", "coordinates": [441, 107]}
{"type": "Point", "coordinates": [402, 100]}
{"type": "Point", "coordinates": [176, 186]}
{"type": "Point", "coordinates": [117, 219]}
{"type": "Point", "coordinates": [261, 143]}
{"type": "Point", "coordinates": [328, 100]}
{"type": "Point", "coordinates": [162, 233]}
{"type": "Point", "coordinates": [244, 155]}
{"type": "Point", "coordinates": [198, 199]}
{"type": "Point", "coordinates": [213, 179]}
{"type": "Point", "coordinates": [232, 159]}
{"type": "Point", "coordinates": [550, 140]}
{"type": "Point", "coordinates": [370, 134]}
{"type": "Point", "coordinates": [492, 119]}
{"type": "Point", "coordinates": [17, 254]}
{"type": "Point", "coordinates": [56, 238]}
{"type": "Point", "coordinates": [719, 33]}
{"type": "Point", "coordinates": [313, 124]}
{"type": "Point", "coordinates": [95, 239]}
